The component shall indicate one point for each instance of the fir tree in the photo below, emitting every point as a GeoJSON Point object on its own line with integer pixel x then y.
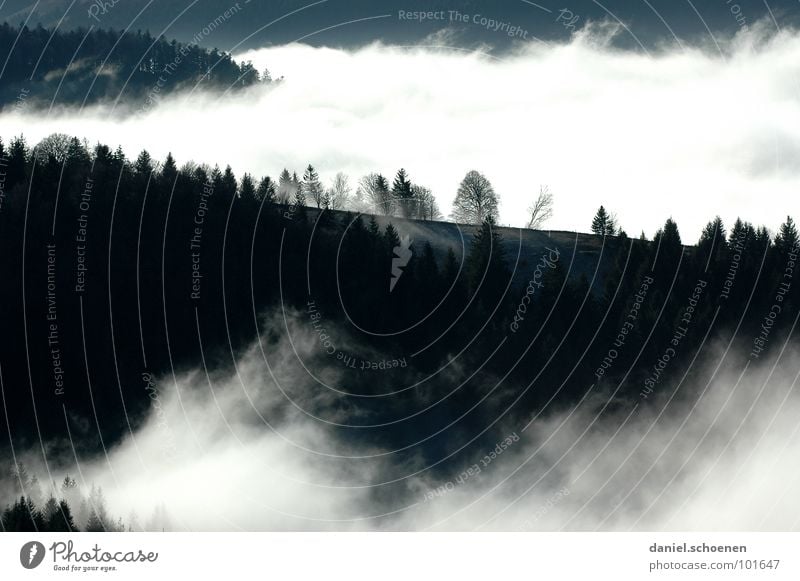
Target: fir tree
{"type": "Point", "coordinates": [603, 223]}
{"type": "Point", "coordinates": [98, 520]}
{"type": "Point", "coordinates": [247, 189]}
{"type": "Point", "coordinates": [312, 187]}
{"type": "Point", "coordinates": [266, 192]}
{"type": "Point", "coordinates": [786, 239]}
{"type": "Point", "coordinates": [403, 194]}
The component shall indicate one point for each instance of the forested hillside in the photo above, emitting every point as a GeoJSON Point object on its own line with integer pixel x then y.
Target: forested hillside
{"type": "Point", "coordinates": [81, 67]}
{"type": "Point", "coordinates": [118, 269]}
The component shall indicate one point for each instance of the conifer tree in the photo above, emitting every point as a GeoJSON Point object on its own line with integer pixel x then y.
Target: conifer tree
{"type": "Point", "coordinates": [266, 191]}
{"type": "Point", "coordinates": [169, 171]}
{"type": "Point", "coordinates": [603, 223]}
{"type": "Point", "coordinates": [247, 189]}
{"type": "Point", "coordinates": [98, 520]}
{"type": "Point", "coordinates": [312, 187]}
{"type": "Point", "coordinates": [786, 240]}
{"type": "Point", "coordinates": [286, 188]}
{"type": "Point", "coordinates": [403, 193]}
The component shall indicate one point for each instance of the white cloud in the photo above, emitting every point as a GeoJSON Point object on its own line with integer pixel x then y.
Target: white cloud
{"type": "Point", "coordinates": [724, 464]}
{"type": "Point", "coordinates": [685, 132]}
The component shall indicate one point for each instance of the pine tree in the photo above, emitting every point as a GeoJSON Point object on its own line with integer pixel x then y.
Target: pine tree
{"type": "Point", "coordinates": [390, 238]}
{"type": "Point", "coordinates": [373, 228]}
{"type": "Point", "coordinates": [312, 187]}
{"type": "Point", "coordinates": [229, 186]}
{"type": "Point", "coordinates": [78, 153]}
{"type": "Point", "coordinates": [297, 186]}
{"type": "Point", "coordinates": [98, 520]}
{"type": "Point", "coordinates": [143, 165]}
{"type": "Point", "coordinates": [286, 189]}
{"type": "Point", "coordinates": [712, 246]}
{"type": "Point", "coordinates": [403, 194]}
{"type": "Point", "coordinates": [216, 179]}
{"type": "Point", "coordinates": [666, 249]}
{"type": "Point", "coordinates": [266, 191]}
{"type": "Point", "coordinates": [58, 517]}
{"type": "Point", "coordinates": [23, 516]}
{"type": "Point", "coordinates": [50, 508]}
{"type": "Point", "coordinates": [486, 266]}
{"type": "Point", "coordinates": [247, 189]}
{"type": "Point", "coordinates": [603, 223]}
{"type": "Point", "coordinates": [17, 162]}
{"type": "Point", "coordinates": [300, 199]}
{"type": "Point", "coordinates": [21, 479]}
{"type": "Point", "coordinates": [762, 240]}
{"type": "Point", "coordinates": [786, 240]}
{"type": "Point", "coordinates": [383, 195]}
{"type": "Point", "coordinates": [169, 171]}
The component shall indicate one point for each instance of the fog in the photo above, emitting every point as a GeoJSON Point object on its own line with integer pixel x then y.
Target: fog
{"type": "Point", "coordinates": [269, 444]}
{"type": "Point", "coordinates": [255, 448]}
{"type": "Point", "coordinates": [687, 132]}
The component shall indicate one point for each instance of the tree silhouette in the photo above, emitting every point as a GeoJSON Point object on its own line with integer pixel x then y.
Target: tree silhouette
{"type": "Point", "coordinates": [286, 188]}
{"type": "Point", "coordinates": [475, 200]}
{"type": "Point", "coordinates": [542, 209]}
{"type": "Point", "coordinates": [425, 205]}
{"type": "Point", "coordinates": [786, 240]}
{"type": "Point", "coordinates": [266, 191]}
{"type": "Point", "coordinates": [73, 67]}
{"type": "Point", "coordinates": [247, 188]}
{"type": "Point", "coordinates": [403, 193]}
{"type": "Point", "coordinates": [339, 193]}
{"type": "Point", "coordinates": [58, 517]}
{"type": "Point", "coordinates": [312, 187]}
{"type": "Point", "coordinates": [23, 516]}
{"type": "Point", "coordinates": [603, 223]}
{"type": "Point", "coordinates": [98, 520]}
{"type": "Point", "coordinates": [376, 190]}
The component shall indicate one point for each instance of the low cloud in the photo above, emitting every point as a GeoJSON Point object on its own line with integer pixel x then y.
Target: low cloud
{"type": "Point", "coordinates": [687, 132]}
{"type": "Point", "coordinates": [256, 448]}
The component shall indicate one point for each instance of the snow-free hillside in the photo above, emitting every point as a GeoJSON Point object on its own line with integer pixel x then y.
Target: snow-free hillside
{"type": "Point", "coordinates": [579, 253]}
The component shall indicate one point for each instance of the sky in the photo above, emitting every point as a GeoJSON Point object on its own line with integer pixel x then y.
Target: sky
{"type": "Point", "coordinates": [682, 132]}
{"type": "Point", "coordinates": [354, 23]}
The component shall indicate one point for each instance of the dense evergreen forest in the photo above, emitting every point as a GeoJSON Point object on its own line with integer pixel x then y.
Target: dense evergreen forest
{"type": "Point", "coordinates": [118, 268]}
{"type": "Point", "coordinates": [82, 67]}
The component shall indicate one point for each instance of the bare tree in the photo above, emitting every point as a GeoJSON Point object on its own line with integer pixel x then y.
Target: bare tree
{"type": "Point", "coordinates": [475, 201]}
{"type": "Point", "coordinates": [55, 145]}
{"type": "Point", "coordinates": [339, 193]}
{"type": "Point", "coordinates": [358, 202]}
{"type": "Point", "coordinates": [426, 206]}
{"type": "Point", "coordinates": [542, 209]}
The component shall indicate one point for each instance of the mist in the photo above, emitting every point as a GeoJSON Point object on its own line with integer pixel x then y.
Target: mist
{"type": "Point", "coordinates": [685, 131]}
{"type": "Point", "coordinates": [259, 447]}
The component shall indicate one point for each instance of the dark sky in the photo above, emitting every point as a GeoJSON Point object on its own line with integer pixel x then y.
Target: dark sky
{"type": "Point", "coordinates": [356, 22]}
